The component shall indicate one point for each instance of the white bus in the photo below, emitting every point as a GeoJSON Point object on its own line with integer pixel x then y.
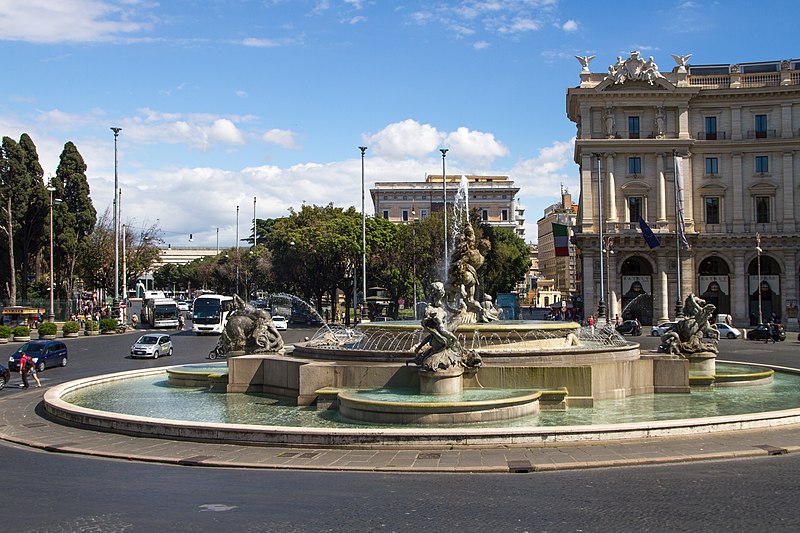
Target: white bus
{"type": "Point", "coordinates": [210, 313]}
{"type": "Point", "coordinates": [161, 313]}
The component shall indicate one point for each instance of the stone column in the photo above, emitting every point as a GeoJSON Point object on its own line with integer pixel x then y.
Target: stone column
{"type": "Point", "coordinates": [738, 193]}
{"type": "Point", "coordinates": [586, 123]}
{"type": "Point", "coordinates": [736, 122]}
{"type": "Point", "coordinates": [786, 121]}
{"type": "Point", "coordinates": [683, 122]}
{"type": "Point", "coordinates": [787, 194]}
{"type": "Point", "coordinates": [661, 301]}
{"type": "Point", "coordinates": [611, 190]}
{"type": "Point", "coordinates": [789, 286]}
{"type": "Point", "coordinates": [740, 295]}
{"type": "Point", "coordinates": [613, 280]}
{"type": "Point", "coordinates": [661, 190]}
{"type": "Point", "coordinates": [589, 188]}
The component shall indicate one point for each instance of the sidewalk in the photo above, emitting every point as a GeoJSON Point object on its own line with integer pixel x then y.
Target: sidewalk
{"type": "Point", "coordinates": [22, 422]}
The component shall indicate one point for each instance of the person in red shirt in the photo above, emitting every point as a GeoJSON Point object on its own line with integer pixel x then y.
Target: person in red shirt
{"type": "Point", "coordinates": [25, 363]}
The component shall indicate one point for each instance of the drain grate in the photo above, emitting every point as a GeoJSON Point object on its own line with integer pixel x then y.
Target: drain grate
{"type": "Point", "coordinates": [520, 467]}
{"type": "Point", "coordinates": [194, 460]}
{"type": "Point", "coordinates": [772, 450]}
{"type": "Point", "coordinates": [309, 455]}
{"type": "Point", "coordinates": [34, 425]}
{"type": "Point", "coordinates": [288, 454]}
{"type": "Point", "coordinates": [431, 455]}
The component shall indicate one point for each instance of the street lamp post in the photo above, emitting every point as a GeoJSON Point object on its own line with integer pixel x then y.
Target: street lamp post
{"type": "Point", "coordinates": [608, 248]}
{"type": "Point", "coordinates": [601, 305]}
{"type": "Point", "coordinates": [444, 199]}
{"type": "Point", "coordinates": [414, 257]}
{"type": "Point", "coordinates": [237, 249]}
{"type": "Point", "coordinates": [51, 316]}
{"type": "Point", "coordinates": [255, 228]}
{"type": "Point", "coordinates": [759, 250]}
{"type": "Point", "coordinates": [363, 231]}
{"type": "Point", "coordinates": [218, 241]}
{"type": "Point", "coordinates": [116, 217]}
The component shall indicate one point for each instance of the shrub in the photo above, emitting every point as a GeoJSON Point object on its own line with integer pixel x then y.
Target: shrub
{"type": "Point", "coordinates": [70, 326]}
{"type": "Point", "coordinates": [91, 325]}
{"type": "Point", "coordinates": [5, 332]}
{"type": "Point", "coordinates": [108, 324]}
{"type": "Point", "coordinates": [47, 328]}
{"type": "Point", "coordinates": [22, 331]}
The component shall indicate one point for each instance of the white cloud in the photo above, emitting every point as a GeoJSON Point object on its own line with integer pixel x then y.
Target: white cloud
{"type": "Point", "coordinates": [199, 131]}
{"type": "Point", "coordinates": [480, 45]}
{"type": "Point", "coordinates": [356, 20]}
{"type": "Point", "coordinates": [474, 146]}
{"type": "Point", "coordinates": [570, 26]}
{"type": "Point", "coordinates": [63, 21]}
{"type": "Point", "coordinates": [240, 93]}
{"type": "Point", "coordinates": [519, 25]}
{"type": "Point", "coordinates": [405, 139]}
{"type": "Point", "coordinates": [284, 138]}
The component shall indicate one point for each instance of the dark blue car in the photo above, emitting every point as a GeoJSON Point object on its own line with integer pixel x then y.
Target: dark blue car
{"type": "Point", "coordinates": [45, 354]}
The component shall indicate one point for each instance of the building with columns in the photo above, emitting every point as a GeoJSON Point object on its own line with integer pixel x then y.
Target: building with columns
{"type": "Point", "coordinates": [733, 133]}
{"type": "Point", "coordinates": [562, 270]}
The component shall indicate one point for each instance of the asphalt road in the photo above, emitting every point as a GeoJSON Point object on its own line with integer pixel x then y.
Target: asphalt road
{"type": "Point", "coordinates": [54, 492]}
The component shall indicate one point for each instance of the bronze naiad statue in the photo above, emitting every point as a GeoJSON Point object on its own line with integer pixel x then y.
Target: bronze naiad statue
{"type": "Point", "coordinates": [686, 338]}
{"type": "Point", "coordinates": [249, 330]}
{"type": "Point", "coordinates": [440, 349]}
{"type": "Point", "coordinates": [463, 292]}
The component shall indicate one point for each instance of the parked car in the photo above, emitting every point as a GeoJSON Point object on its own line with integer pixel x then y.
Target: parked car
{"type": "Point", "coordinates": [152, 345]}
{"type": "Point", "coordinates": [280, 322]}
{"type": "Point", "coordinates": [729, 332]}
{"type": "Point", "coordinates": [45, 354]}
{"type": "Point", "coordinates": [763, 332]}
{"type": "Point", "coordinates": [383, 319]}
{"type": "Point", "coordinates": [5, 376]}
{"type": "Point", "coordinates": [630, 327]}
{"type": "Point", "coordinates": [662, 328]}
{"type": "Point", "coordinates": [183, 306]}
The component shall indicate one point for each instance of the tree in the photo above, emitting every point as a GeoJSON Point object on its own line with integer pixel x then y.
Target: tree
{"type": "Point", "coordinates": [12, 172]}
{"type": "Point", "coordinates": [507, 261]}
{"type": "Point", "coordinates": [95, 263]}
{"type": "Point", "coordinates": [141, 251]}
{"type": "Point", "coordinates": [75, 217]}
{"type": "Point", "coordinates": [32, 205]}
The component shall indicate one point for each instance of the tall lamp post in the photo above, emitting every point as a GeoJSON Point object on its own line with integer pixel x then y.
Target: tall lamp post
{"type": "Point", "coordinates": [363, 231]}
{"type": "Point", "coordinates": [759, 250]}
{"type": "Point", "coordinates": [444, 198]}
{"type": "Point", "coordinates": [608, 249]}
{"type": "Point", "coordinates": [51, 316]}
{"type": "Point", "coordinates": [116, 217]}
{"type": "Point", "coordinates": [414, 256]}
{"type": "Point", "coordinates": [601, 305]}
{"type": "Point", "coordinates": [255, 228]}
{"type": "Point", "coordinates": [237, 249]}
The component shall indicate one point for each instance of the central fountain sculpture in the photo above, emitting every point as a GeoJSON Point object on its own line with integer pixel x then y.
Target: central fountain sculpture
{"type": "Point", "coordinates": [686, 339]}
{"type": "Point", "coordinates": [249, 330]}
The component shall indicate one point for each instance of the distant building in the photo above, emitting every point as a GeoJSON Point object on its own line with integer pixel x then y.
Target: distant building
{"type": "Point", "coordinates": [494, 196]}
{"type": "Point", "coordinates": [563, 271]}
{"type": "Point", "coordinates": [181, 255]}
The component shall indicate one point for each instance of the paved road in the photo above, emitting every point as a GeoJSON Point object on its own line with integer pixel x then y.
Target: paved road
{"type": "Point", "coordinates": [89, 494]}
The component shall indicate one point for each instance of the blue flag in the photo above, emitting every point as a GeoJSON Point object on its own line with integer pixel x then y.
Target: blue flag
{"type": "Point", "coordinates": [649, 237]}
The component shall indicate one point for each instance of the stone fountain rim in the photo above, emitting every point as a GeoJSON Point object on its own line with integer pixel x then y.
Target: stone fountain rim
{"type": "Point", "coordinates": [366, 437]}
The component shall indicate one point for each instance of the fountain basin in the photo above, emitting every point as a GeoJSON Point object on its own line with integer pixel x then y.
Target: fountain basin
{"type": "Point", "coordinates": [420, 409]}
{"type": "Point", "coordinates": [241, 418]}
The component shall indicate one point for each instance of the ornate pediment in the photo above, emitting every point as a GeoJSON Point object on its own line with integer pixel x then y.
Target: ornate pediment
{"type": "Point", "coordinates": [634, 69]}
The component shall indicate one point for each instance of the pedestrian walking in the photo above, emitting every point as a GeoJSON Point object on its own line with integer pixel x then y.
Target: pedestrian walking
{"type": "Point", "coordinates": [25, 366]}
{"type": "Point", "coordinates": [591, 323]}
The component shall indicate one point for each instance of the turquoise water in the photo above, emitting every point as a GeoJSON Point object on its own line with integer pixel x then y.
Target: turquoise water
{"type": "Point", "coordinates": [154, 397]}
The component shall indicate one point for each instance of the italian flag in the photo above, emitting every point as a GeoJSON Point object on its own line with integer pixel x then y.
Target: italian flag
{"type": "Point", "coordinates": [561, 239]}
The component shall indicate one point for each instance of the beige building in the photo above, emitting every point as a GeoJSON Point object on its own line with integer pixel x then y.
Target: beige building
{"type": "Point", "coordinates": [734, 132]}
{"type": "Point", "coordinates": [562, 270]}
{"type": "Point", "coordinates": [494, 196]}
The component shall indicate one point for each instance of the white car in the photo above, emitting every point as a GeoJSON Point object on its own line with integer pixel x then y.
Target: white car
{"type": "Point", "coordinates": [727, 331]}
{"type": "Point", "coordinates": [152, 345]}
{"type": "Point", "coordinates": [280, 322]}
{"type": "Point", "coordinates": [183, 306]}
{"type": "Point", "coordinates": [662, 328]}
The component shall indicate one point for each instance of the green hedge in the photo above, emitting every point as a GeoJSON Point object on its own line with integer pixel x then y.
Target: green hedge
{"type": "Point", "coordinates": [108, 324]}
{"type": "Point", "coordinates": [5, 332]}
{"type": "Point", "coordinates": [70, 326]}
{"type": "Point", "coordinates": [91, 325]}
{"type": "Point", "coordinates": [47, 328]}
{"type": "Point", "coordinates": [22, 331]}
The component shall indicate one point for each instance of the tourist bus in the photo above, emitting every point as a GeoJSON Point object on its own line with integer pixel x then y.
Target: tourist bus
{"type": "Point", "coordinates": [161, 313]}
{"type": "Point", "coordinates": [210, 313]}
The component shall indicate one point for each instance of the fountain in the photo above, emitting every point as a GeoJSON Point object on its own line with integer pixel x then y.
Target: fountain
{"type": "Point", "coordinates": [461, 376]}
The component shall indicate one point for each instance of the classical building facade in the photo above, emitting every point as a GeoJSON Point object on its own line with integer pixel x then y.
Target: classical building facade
{"type": "Point", "coordinates": [562, 270]}
{"type": "Point", "coordinates": [494, 196]}
{"type": "Point", "coordinates": [733, 133]}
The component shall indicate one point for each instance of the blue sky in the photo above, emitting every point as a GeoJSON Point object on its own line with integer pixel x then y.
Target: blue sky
{"type": "Point", "coordinates": [223, 101]}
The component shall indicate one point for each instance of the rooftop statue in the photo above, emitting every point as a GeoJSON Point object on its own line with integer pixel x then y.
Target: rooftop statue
{"type": "Point", "coordinates": [584, 61]}
{"type": "Point", "coordinates": [634, 69]}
